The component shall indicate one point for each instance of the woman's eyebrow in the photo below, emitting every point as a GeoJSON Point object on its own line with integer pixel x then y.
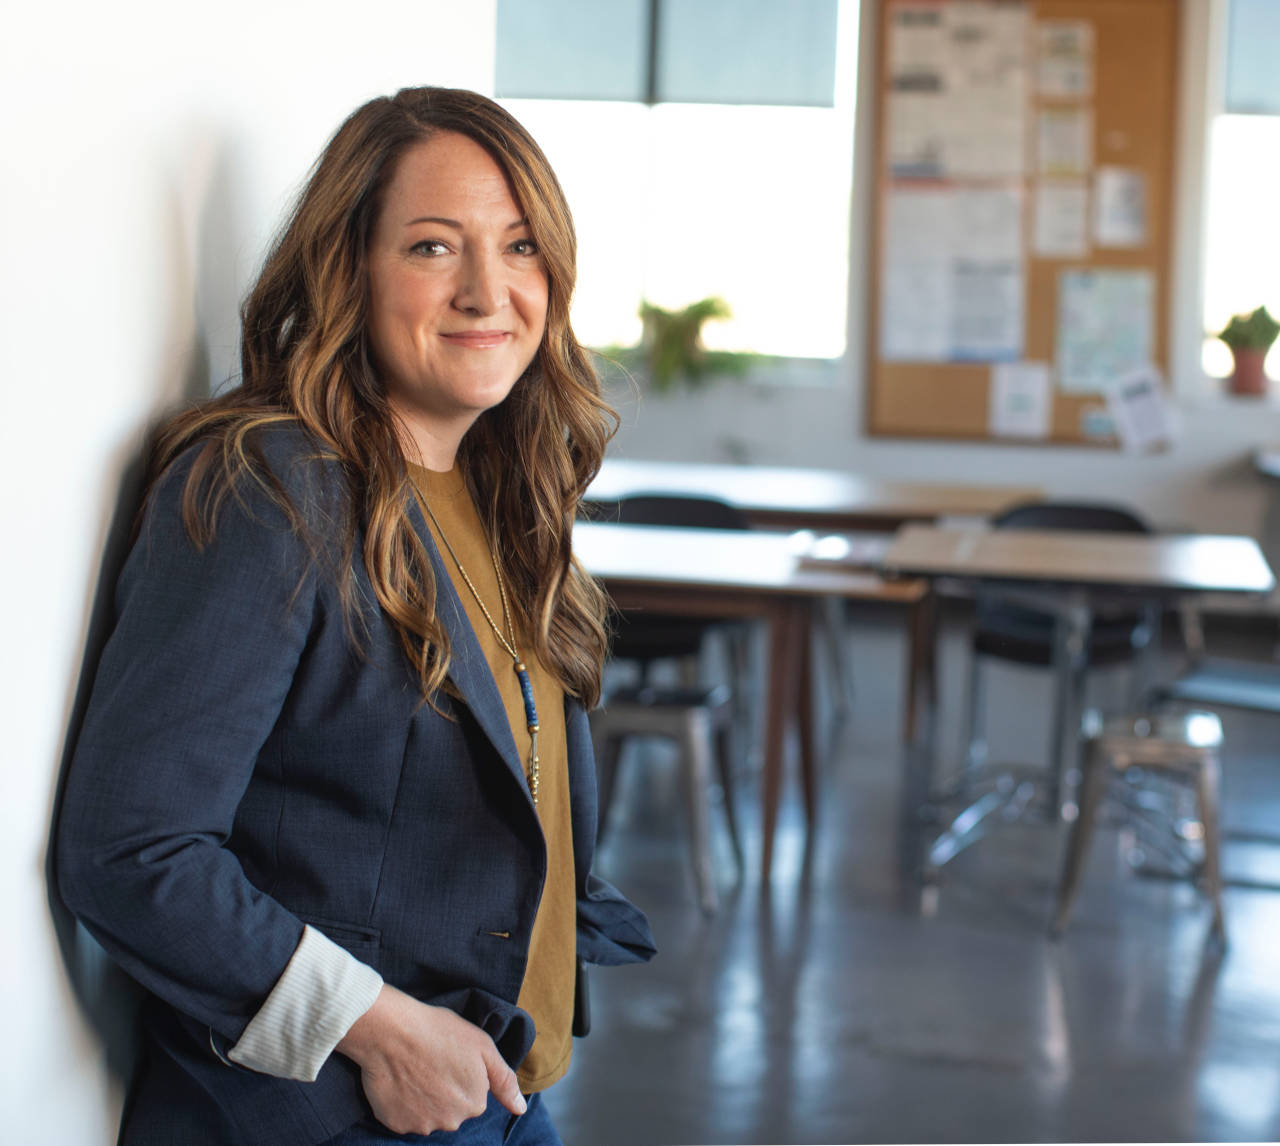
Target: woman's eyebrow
{"type": "Point", "coordinates": [523, 221]}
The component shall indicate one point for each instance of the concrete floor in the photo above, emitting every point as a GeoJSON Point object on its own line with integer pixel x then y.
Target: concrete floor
{"type": "Point", "coordinates": [844, 1004]}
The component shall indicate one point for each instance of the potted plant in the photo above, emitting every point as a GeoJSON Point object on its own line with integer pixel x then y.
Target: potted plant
{"type": "Point", "coordinates": [671, 353]}
{"type": "Point", "coordinates": [1250, 337]}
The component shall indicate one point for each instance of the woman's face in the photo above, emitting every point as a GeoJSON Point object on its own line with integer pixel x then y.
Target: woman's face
{"type": "Point", "coordinates": [457, 289]}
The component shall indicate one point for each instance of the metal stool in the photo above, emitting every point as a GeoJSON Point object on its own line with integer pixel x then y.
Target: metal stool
{"type": "Point", "coordinates": [695, 718]}
{"type": "Point", "coordinates": [1184, 745]}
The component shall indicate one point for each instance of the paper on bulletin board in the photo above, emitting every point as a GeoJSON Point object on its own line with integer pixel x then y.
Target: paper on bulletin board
{"type": "Point", "coordinates": [1064, 141]}
{"type": "Point", "coordinates": [1105, 327]}
{"type": "Point", "coordinates": [954, 275]}
{"type": "Point", "coordinates": [1065, 59]}
{"type": "Point", "coordinates": [989, 280]}
{"type": "Point", "coordinates": [1021, 400]}
{"type": "Point", "coordinates": [987, 82]}
{"type": "Point", "coordinates": [1141, 411]}
{"type": "Point", "coordinates": [916, 284]}
{"type": "Point", "coordinates": [1120, 207]}
{"type": "Point", "coordinates": [916, 109]}
{"type": "Point", "coordinates": [957, 91]}
{"type": "Point", "coordinates": [1061, 229]}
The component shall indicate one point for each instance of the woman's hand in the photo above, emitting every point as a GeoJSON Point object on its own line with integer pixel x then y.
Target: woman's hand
{"type": "Point", "coordinates": [425, 1068]}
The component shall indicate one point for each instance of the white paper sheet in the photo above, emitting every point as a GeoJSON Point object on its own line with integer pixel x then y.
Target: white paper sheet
{"type": "Point", "coordinates": [954, 279]}
{"type": "Point", "coordinates": [1140, 408]}
{"type": "Point", "coordinates": [988, 304]}
{"type": "Point", "coordinates": [1021, 400]}
{"type": "Point", "coordinates": [958, 77]}
{"type": "Point", "coordinates": [1065, 59]}
{"type": "Point", "coordinates": [1105, 327]}
{"type": "Point", "coordinates": [1061, 228]}
{"type": "Point", "coordinates": [1120, 207]}
{"type": "Point", "coordinates": [988, 280]}
{"type": "Point", "coordinates": [916, 286]}
{"type": "Point", "coordinates": [916, 102]}
{"type": "Point", "coordinates": [987, 80]}
{"type": "Point", "coordinates": [1064, 141]}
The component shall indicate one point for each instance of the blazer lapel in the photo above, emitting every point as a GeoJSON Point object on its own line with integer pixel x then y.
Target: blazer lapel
{"type": "Point", "coordinates": [468, 668]}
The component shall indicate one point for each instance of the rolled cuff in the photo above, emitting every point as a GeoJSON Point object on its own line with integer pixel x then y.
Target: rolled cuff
{"type": "Point", "coordinates": [320, 994]}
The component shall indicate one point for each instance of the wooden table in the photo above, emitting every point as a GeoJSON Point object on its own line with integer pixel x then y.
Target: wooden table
{"type": "Point", "coordinates": [785, 498]}
{"type": "Point", "coordinates": [719, 573]}
{"type": "Point", "coordinates": [1072, 574]}
{"type": "Point", "coordinates": [1169, 565]}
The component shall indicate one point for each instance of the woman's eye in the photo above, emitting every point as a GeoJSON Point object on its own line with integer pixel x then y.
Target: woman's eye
{"type": "Point", "coordinates": [524, 247]}
{"type": "Point", "coordinates": [428, 247]}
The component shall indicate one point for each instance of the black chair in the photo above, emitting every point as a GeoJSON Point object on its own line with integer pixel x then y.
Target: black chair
{"type": "Point", "coordinates": [647, 638]}
{"type": "Point", "coordinates": [1013, 631]}
{"type": "Point", "coordinates": [696, 717]}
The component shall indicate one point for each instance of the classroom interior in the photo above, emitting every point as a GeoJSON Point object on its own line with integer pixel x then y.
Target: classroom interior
{"type": "Point", "coordinates": [847, 977]}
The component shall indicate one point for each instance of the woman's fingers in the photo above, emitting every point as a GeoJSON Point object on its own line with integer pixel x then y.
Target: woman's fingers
{"type": "Point", "coordinates": [425, 1068]}
{"type": "Point", "coordinates": [502, 1080]}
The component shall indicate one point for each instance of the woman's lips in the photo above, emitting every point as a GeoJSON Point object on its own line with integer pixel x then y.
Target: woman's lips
{"type": "Point", "coordinates": [477, 339]}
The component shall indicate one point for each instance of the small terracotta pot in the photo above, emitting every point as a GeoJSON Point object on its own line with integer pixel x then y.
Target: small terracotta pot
{"type": "Point", "coordinates": [1248, 379]}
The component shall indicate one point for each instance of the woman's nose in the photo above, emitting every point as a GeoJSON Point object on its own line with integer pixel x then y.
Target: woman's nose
{"type": "Point", "coordinates": [482, 286]}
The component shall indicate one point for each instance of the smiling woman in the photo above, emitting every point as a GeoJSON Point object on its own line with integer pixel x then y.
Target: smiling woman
{"type": "Point", "coordinates": [457, 292]}
{"type": "Point", "coordinates": [333, 800]}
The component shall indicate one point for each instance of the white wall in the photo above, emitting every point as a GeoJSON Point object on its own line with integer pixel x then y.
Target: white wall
{"type": "Point", "coordinates": [149, 148]}
{"type": "Point", "coordinates": [1206, 481]}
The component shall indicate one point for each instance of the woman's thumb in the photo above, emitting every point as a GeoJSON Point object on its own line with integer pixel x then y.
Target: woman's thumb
{"type": "Point", "coordinates": [503, 1082]}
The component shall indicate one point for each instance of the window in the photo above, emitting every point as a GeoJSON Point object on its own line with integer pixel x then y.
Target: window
{"type": "Point", "coordinates": [678, 201]}
{"type": "Point", "coordinates": [1242, 261]}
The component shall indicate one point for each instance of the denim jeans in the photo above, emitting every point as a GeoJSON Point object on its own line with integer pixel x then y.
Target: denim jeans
{"type": "Point", "coordinates": [495, 1127]}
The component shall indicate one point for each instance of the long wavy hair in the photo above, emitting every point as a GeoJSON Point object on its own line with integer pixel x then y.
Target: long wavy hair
{"type": "Point", "coordinates": [306, 360]}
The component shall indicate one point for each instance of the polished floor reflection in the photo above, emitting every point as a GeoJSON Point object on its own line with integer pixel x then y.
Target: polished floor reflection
{"type": "Point", "coordinates": [846, 1006]}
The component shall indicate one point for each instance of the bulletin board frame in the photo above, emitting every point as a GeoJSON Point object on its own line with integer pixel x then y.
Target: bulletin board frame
{"type": "Point", "coordinates": [1134, 103]}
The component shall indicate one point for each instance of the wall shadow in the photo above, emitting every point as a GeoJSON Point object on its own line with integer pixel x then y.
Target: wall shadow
{"type": "Point", "coordinates": [196, 285]}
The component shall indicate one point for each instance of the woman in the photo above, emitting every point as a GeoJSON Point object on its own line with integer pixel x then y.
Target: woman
{"type": "Point", "coordinates": [333, 802]}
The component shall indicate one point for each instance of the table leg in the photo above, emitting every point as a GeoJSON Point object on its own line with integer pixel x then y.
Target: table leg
{"type": "Point", "coordinates": [1071, 635]}
{"type": "Point", "coordinates": [781, 684]}
{"type": "Point", "coordinates": [804, 619]}
{"type": "Point", "coordinates": [921, 661]}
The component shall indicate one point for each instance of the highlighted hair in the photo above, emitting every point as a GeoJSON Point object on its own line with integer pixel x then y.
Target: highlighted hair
{"type": "Point", "coordinates": [305, 360]}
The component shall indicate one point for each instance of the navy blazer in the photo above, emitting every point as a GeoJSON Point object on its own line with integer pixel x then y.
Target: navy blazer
{"type": "Point", "coordinates": [251, 760]}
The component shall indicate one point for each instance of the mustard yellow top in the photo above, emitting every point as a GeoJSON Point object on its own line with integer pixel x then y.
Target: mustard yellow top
{"type": "Point", "coordinates": [547, 991]}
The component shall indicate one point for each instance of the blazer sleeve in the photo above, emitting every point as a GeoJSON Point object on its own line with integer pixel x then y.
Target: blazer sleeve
{"type": "Point", "coordinates": [191, 682]}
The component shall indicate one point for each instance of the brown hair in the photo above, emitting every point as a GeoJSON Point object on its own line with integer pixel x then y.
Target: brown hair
{"type": "Point", "coordinates": [305, 360]}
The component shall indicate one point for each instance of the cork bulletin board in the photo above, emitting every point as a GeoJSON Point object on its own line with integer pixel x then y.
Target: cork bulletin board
{"type": "Point", "coordinates": [1022, 218]}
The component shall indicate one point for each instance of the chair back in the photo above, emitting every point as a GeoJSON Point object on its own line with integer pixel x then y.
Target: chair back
{"type": "Point", "coordinates": [1085, 516]}
{"type": "Point", "coordinates": [1012, 631]}
{"type": "Point", "coordinates": [645, 636]}
{"type": "Point", "coordinates": [679, 510]}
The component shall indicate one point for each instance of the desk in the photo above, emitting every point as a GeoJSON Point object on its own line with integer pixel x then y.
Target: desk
{"type": "Point", "coordinates": [1071, 574]}
{"type": "Point", "coordinates": [720, 573]}
{"type": "Point", "coordinates": [784, 498]}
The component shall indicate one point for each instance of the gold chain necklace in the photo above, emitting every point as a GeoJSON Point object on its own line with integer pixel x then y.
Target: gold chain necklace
{"type": "Point", "coordinates": [522, 673]}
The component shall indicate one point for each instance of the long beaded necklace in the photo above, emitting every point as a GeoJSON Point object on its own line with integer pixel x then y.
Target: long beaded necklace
{"type": "Point", "coordinates": [508, 642]}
